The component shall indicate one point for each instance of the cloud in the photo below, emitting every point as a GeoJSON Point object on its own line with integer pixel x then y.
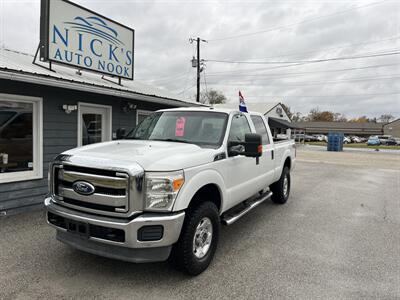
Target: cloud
{"type": "Point", "coordinates": [308, 31]}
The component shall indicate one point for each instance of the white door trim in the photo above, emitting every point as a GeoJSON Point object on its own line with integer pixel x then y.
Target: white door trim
{"type": "Point", "coordinates": [143, 112]}
{"type": "Point", "coordinates": [107, 122]}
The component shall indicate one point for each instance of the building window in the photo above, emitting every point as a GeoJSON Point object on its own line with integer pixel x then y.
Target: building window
{"type": "Point", "coordinates": [141, 115]}
{"type": "Point", "coordinates": [20, 138]}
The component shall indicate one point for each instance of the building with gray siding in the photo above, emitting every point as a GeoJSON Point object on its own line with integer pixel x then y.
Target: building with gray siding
{"type": "Point", "coordinates": [392, 128]}
{"type": "Point", "coordinates": [347, 128]}
{"type": "Point", "coordinates": [43, 113]}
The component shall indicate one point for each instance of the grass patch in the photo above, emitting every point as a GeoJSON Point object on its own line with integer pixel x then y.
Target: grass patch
{"type": "Point", "coordinates": [361, 145]}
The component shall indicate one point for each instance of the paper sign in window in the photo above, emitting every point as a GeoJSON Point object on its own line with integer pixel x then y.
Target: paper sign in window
{"type": "Point", "coordinates": [180, 126]}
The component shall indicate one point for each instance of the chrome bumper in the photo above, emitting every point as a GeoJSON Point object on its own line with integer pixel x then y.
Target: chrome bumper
{"type": "Point", "coordinates": [172, 225]}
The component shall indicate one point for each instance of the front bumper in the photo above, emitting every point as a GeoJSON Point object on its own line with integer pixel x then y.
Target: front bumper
{"type": "Point", "coordinates": [130, 248]}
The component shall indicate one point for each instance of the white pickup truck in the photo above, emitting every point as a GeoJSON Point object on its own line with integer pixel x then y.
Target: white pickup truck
{"type": "Point", "coordinates": [163, 191]}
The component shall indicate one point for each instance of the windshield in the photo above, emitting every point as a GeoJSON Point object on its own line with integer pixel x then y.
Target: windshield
{"type": "Point", "coordinates": [196, 127]}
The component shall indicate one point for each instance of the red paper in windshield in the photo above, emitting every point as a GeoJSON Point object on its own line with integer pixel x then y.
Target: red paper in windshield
{"type": "Point", "coordinates": [180, 126]}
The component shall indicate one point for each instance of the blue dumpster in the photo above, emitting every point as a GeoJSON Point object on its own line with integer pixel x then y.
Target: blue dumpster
{"type": "Point", "coordinates": [335, 141]}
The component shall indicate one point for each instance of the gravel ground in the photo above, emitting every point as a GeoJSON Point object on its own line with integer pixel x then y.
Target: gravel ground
{"type": "Point", "coordinates": [338, 237]}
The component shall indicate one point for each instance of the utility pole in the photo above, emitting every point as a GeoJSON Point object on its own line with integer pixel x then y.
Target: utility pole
{"type": "Point", "coordinates": [198, 70]}
{"type": "Point", "coordinates": [196, 63]}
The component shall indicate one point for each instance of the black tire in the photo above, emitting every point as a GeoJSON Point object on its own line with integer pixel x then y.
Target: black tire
{"type": "Point", "coordinates": [183, 256]}
{"type": "Point", "coordinates": [278, 191]}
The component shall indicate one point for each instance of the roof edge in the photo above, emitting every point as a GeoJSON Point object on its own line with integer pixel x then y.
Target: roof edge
{"type": "Point", "coordinates": [84, 87]}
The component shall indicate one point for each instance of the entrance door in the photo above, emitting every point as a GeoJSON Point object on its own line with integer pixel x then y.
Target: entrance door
{"type": "Point", "coordinates": [94, 124]}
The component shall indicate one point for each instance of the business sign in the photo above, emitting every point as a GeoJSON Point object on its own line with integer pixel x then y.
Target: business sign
{"type": "Point", "coordinates": [75, 36]}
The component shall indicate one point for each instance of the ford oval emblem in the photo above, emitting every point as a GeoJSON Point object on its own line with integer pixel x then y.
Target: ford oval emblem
{"type": "Point", "coordinates": [83, 188]}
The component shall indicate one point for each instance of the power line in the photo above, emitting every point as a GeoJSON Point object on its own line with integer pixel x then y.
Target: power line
{"type": "Point", "coordinates": [303, 61]}
{"type": "Point", "coordinates": [186, 89]}
{"type": "Point", "coordinates": [335, 48]}
{"type": "Point", "coordinates": [322, 96]}
{"type": "Point", "coordinates": [296, 74]}
{"type": "Point", "coordinates": [392, 76]}
{"type": "Point", "coordinates": [205, 80]}
{"type": "Point", "coordinates": [296, 23]}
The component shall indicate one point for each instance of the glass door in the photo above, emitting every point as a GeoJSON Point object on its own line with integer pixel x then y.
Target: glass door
{"type": "Point", "coordinates": [94, 124]}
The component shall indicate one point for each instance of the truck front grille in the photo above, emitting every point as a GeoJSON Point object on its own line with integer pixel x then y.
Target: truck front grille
{"type": "Point", "coordinates": [110, 195]}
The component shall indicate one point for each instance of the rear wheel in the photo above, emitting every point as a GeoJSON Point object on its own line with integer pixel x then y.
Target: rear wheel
{"type": "Point", "coordinates": [199, 238]}
{"type": "Point", "coordinates": [281, 188]}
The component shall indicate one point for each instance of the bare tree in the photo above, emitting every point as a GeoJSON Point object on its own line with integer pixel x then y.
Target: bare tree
{"type": "Point", "coordinates": [213, 97]}
{"type": "Point", "coordinates": [288, 111]}
{"type": "Point", "coordinates": [386, 118]}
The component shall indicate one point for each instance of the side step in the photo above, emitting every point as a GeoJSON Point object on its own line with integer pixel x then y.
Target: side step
{"type": "Point", "coordinates": [246, 206]}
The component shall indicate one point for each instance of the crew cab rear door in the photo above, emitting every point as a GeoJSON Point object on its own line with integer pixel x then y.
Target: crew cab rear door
{"type": "Point", "coordinates": [266, 170]}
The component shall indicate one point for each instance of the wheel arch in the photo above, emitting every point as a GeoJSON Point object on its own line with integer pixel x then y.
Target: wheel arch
{"type": "Point", "coordinates": [288, 163]}
{"type": "Point", "coordinates": [208, 185]}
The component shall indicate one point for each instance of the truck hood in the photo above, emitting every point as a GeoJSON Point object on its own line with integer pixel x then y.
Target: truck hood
{"type": "Point", "coordinates": [150, 155]}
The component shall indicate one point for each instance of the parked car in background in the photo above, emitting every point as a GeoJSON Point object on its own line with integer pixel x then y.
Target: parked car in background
{"type": "Point", "coordinates": [383, 139]}
{"type": "Point", "coordinates": [321, 138]}
{"type": "Point", "coordinates": [356, 139]}
{"type": "Point", "coordinates": [282, 136]}
{"type": "Point", "coordinates": [310, 138]}
{"type": "Point", "coordinates": [346, 140]}
{"type": "Point", "coordinates": [298, 136]}
{"type": "Point", "coordinates": [397, 141]}
{"type": "Point", "coordinates": [373, 141]}
{"type": "Point", "coordinates": [391, 142]}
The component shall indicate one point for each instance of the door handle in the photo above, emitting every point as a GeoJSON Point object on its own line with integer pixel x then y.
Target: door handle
{"type": "Point", "coordinates": [272, 154]}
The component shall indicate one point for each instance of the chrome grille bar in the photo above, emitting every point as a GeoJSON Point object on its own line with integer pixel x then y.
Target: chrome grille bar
{"type": "Point", "coordinates": [109, 200]}
{"type": "Point", "coordinates": [96, 180]}
{"type": "Point", "coordinates": [111, 195]}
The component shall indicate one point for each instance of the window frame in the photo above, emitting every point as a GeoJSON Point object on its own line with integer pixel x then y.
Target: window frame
{"type": "Point", "coordinates": [107, 120]}
{"type": "Point", "coordinates": [37, 140]}
{"type": "Point", "coordinates": [143, 112]}
{"type": "Point", "coordinates": [230, 125]}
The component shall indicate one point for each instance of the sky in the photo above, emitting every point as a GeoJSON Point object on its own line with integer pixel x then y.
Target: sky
{"type": "Point", "coordinates": [340, 55]}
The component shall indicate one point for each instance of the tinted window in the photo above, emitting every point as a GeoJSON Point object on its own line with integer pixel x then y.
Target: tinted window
{"type": "Point", "coordinates": [260, 128]}
{"type": "Point", "coordinates": [239, 128]}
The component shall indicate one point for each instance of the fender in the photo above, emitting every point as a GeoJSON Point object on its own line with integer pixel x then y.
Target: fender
{"type": "Point", "coordinates": [279, 166]}
{"type": "Point", "coordinates": [196, 182]}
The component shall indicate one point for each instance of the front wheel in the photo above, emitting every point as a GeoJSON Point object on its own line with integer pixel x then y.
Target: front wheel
{"type": "Point", "coordinates": [199, 238]}
{"type": "Point", "coordinates": [281, 188]}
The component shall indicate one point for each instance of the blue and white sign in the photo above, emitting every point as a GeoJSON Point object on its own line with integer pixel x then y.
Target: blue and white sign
{"type": "Point", "coordinates": [81, 38]}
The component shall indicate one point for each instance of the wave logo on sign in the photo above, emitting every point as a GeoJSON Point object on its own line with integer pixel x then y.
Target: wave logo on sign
{"type": "Point", "coordinates": [96, 26]}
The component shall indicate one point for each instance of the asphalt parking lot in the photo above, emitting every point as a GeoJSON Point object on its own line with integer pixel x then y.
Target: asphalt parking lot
{"type": "Point", "coordinates": [338, 237]}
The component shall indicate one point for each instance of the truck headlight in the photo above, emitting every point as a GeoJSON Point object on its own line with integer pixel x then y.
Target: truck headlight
{"type": "Point", "coordinates": [162, 189]}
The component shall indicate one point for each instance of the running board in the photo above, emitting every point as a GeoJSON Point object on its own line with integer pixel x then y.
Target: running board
{"type": "Point", "coordinates": [229, 219]}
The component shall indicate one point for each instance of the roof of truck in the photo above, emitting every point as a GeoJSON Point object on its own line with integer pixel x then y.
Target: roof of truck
{"type": "Point", "coordinates": [212, 109]}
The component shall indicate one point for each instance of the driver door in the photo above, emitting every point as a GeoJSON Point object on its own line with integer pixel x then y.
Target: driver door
{"type": "Point", "coordinates": [239, 171]}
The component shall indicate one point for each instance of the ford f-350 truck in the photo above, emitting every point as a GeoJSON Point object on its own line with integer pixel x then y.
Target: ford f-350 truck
{"type": "Point", "coordinates": [163, 191]}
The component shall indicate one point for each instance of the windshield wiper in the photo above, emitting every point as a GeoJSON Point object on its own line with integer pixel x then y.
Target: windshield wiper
{"type": "Point", "coordinates": [173, 140]}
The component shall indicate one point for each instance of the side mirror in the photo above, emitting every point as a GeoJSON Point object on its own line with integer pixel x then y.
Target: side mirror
{"type": "Point", "coordinates": [253, 145]}
{"type": "Point", "coordinates": [120, 133]}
